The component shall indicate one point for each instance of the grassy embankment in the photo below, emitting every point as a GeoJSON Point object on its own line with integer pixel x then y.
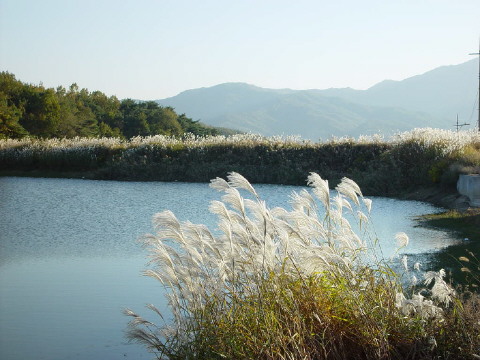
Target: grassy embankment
{"type": "Point", "coordinates": [465, 222]}
{"type": "Point", "coordinates": [409, 161]}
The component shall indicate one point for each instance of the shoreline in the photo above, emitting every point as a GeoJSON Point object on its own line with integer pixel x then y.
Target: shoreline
{"type": "Point", "coordinates": [446, 198]}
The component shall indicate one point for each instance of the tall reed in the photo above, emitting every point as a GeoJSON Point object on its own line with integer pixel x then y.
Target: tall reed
{"type": "Point", "coordinates": [272, 283]}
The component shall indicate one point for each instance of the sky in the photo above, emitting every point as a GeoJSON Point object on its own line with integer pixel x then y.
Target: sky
{"type": "Point", "coordinates": [154, 49]}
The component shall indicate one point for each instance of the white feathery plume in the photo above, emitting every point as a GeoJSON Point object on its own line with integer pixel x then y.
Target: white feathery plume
{"type": "Point", "coordinates": [156, 275]}
{"type": "Point", "coordinates": [233, 197]}
{"type": "Point", "coordinates": [218, 208]}
{"type": "Point", "coordinates": [440, 290]}
{"type": "Point", "coordinates": [195, 264]}
{"type": "Point", "coordinates": [345, 188]}
{"type": "Point", "coordinates": [346, 204]}
{"type": "Point", "coordinates": [305, 194]}
{"type": "Point", "coordinates": [337, 213]}
{"type": "Point", "coordinates": [278, 212]}
{"type": "Point", "coordinates": [368, 204]}
{"type": "Point", "coordinates": [361, 244]}
{"type": "Point", "coordinates": [431, 276]}
{"type": "Point", "coordinates": [195, 255]}
{"type": "Point", "coordinates": [166, 219]}
{"type": "Point", "coordinates": [418, 305]}
{"type": "Point", "coordinates": [302, 201]}
{"type": "Point", "coordinates": [402, 239]}
{"type": "Point", "coordinates": [161, 255]}
{"type": "Point", "coordinates": [219, 184]}
{"type": "Point", "coordinates": [238, 181]}
{"type": "Point", "coordinates": [320, 188]}
{"type": "Point", "coordinates": [258, 209]}
{"type": "Point", "coordinates": [354, 186]}
{"type": "Point", "coordinates": [362, 217]}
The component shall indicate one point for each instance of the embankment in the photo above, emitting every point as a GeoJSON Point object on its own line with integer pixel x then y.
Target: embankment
{"type": "Point", "coordinates": [420, 159]}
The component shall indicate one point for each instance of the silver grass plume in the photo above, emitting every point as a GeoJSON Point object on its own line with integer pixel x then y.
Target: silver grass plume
{"type": "Point", "coordinates": [253, 241]}
{"type": "Point", "coordinates": [237, 181]}
{"type": "Point", "coordinates": [320, 188]}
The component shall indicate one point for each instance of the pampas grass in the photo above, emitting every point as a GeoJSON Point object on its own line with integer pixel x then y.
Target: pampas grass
{"type": "Point", "coordinates": [272, 283]}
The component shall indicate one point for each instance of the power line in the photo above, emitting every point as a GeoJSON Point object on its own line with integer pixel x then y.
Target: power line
{"type": "Point", "coordinates": [474, 106]}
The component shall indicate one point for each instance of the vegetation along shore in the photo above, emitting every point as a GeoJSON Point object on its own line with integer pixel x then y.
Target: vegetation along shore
{"type": "Point", "coordinates": [403, 164]}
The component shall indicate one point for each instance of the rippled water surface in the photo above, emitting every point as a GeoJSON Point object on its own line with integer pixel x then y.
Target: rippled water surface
{"type": "Point", "coordinates": [70, 262]}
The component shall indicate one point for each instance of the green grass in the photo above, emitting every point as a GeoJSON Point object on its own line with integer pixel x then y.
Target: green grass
{"type": "Point", "coordinates": [465, 223]}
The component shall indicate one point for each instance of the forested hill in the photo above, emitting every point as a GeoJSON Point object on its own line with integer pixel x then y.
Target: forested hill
{"type": "Point", "coordinates": [33, 110]}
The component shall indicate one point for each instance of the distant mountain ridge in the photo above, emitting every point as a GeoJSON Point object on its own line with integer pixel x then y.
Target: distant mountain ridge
{"type": "Point", "coordinates": [429, 100]}
{"type": "Point", "coordinates": [439, 91]}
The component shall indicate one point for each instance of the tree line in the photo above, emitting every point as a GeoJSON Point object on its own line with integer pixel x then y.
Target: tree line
{"type": "Point", "coordinates": [33, 110]}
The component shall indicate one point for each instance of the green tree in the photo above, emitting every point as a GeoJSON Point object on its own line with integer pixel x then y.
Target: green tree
{"type": "Point", "coordinates": [77, 116]}
{"type": "Point", "coordinates": [9, 119]}
{"type": "Point", "coordinates": [162, 120]}
{"type": "Point", "coordinates": [106, 109]}
{"type": "Point", "coordinates": [195, 127]}
{"type": "Point", "coordinates": [27, 109]}
{"type": "Point", "coordinates": [68, 125]}
{"type": "Point", "coordinates": [104, 130]}
{"type": "Point", "coordinates": [134, 119]}
{"type": "Point", "coordinates": [42, 111]}
{"type": "Point", "coordinates": [11, 106]}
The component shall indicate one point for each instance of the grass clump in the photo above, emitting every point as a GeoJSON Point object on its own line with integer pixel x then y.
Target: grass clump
{"type": "Point", "coordinates": [304, 283]}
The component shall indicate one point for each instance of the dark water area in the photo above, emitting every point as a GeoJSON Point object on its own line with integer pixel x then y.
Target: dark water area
{"type": "Point", "coordinates": [70, 261]}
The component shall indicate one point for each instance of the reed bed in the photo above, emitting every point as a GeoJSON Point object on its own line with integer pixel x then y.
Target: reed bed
{"type": "Point", "coordinates": [299, 283]}
{"type": "Point", "coordinates": [421, 157]}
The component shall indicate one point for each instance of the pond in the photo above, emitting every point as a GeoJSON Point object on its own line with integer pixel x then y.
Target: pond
{"type": "Point", "coordinates": [70, 261]}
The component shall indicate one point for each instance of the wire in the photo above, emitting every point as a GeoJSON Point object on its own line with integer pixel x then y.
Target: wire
{"type": "Point", "coordinates": [474, 107]}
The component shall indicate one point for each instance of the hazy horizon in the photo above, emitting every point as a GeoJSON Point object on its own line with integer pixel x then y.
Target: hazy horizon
{"type": "Point", "coordinates": [330, 88]}
{"type": "Point", "coordinates": [156, 49]}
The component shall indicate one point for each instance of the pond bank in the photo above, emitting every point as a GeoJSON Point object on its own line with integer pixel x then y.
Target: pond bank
{"type": "Point", "coordinates": [458, 216]}
{"type": "Point", "coordinates": [456, 205]}
{"type": "Point", "coordinates": [462, 221]}
{"type": "Point", "coordinates": [446, 198]}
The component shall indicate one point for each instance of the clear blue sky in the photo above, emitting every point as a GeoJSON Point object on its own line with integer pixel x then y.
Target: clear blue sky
{"type": "Point", "coordinates": [152, 49]}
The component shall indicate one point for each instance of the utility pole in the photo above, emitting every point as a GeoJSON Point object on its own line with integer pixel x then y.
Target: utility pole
{"type": "Point", "coordinates": [459, 126]}
{"type": "Point", "coordinates": [478, 53]}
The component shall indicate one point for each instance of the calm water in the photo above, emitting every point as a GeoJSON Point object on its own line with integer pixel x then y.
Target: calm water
{"type": "Point", "coordinates": [70, 262]}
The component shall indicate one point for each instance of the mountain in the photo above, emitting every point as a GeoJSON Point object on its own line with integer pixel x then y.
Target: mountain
{"type": "Point", "coordinates": [444, 91]}
{"type": "Point", "coordinates": [429, 100]}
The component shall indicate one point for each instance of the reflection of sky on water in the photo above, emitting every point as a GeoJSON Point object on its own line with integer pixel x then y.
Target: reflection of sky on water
{"type": "Point", "coordinates": [69, 262]}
